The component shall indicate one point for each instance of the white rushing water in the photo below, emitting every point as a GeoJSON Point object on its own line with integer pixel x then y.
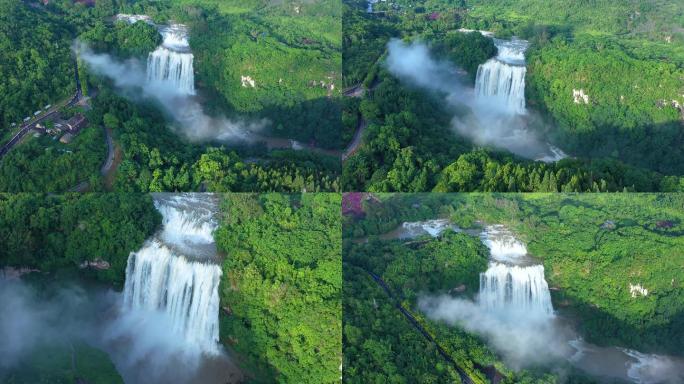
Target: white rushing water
{"type": "Point", "coordinates": [433, 227]}
{"type": "Point", "coordinates": [176, 273]}
{"type": "Point", "coordinates": [501, 80]}
{"type": "Point", "coordinates": [511, 287]}
{"type": "Point", "coordinates": [503, 246]}
{"type": "Point", "coordinates": [171, 64]}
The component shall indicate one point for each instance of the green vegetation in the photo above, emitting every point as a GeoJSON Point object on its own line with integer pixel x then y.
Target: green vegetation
{"type": "Point", "coordinates": [282, 285]}
{"type": "Point", "coordinates": [51, 233]}
{"type": "Point", "coordinates": [124, 39]}
{"type": "Point", "coordinates": [65, 364]}
{"type": "Point", "coordinates": [292, 53]}
{"type": "Point", "coordinates": [156, 159]}
{"type": "Point", "coordinates": [380, 346]}
{"type": "Point", "coordinates": [634, 112]}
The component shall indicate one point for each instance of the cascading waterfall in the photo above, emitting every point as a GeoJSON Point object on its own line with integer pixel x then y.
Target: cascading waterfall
{"type": "Point", "coordinates": [167, 67]}
{"type": "Point", "coordinates": [509, 284]}
{"type": "Point", "coordinates": [518, 288]}
{"type": "Point", "coordinates": [176, 271]}
{"type": "Point", "coordinates": [502, 79]}
{"type": "Point", "coordinates": [171, 63]}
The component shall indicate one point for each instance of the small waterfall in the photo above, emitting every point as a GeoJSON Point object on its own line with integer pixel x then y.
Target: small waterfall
{"type": "Point", "coordinates": [502, 79]}
{"type": "Point", "coordinates": [176, 271]}
{"type": "Point", "coordinates": [510, 283]}
{"type": "Point", "coordinates": [433, 227]}
{"type": "Point", "coordinates": [503, 246]}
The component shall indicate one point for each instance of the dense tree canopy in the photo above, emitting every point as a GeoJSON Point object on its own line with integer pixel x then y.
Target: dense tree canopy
{"type": "Point", "coordinates": [49, 232]}
{"type": "Point", "coordinates": [282, 285]}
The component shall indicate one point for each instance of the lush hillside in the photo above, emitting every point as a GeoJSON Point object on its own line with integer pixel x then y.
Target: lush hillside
{"type": "Point", "coordinates": [653, 20]}
{"type": "Point", "coordinates": [50, 233]}
{"type": "Point", "coordinates": [290, 50]}
{"type": "Point", "coordinates": [282, 285]}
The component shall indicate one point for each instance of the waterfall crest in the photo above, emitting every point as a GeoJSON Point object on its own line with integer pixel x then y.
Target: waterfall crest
{"type": "Point", "coordinates": [170, 65]}
{"type": "Point", "coordinates": [175, 272]}
{"type": "Point", "coordinates": [503, 246]}
{"type": "Point", "coordinates": [502, 79]}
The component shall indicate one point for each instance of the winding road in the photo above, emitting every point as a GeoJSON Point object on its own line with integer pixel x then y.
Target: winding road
{"type": "Point", "coordinates": [356, 141]}
{"type": "Point", "coordinates": [357, 91]}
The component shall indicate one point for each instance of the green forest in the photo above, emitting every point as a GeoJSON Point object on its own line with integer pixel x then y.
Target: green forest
{"type": "Point", "coordinates": [626, 57]}
{"type": "Point", "coordinates": [593, 246]}
{"type": "Point", "coordinates": [55, 233]}
{"type": "Point", "coordinates": [281, 290]}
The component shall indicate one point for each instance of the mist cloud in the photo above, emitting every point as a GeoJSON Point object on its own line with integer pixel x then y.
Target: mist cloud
{"type": "Point", "coordinates": [523, 338]}
{"type": "Point", "coordinates": [130, 78]}
{"type": "Point", "coordinates": [486, 123]}
{"type": "Point", "coordinates": [142, 344]}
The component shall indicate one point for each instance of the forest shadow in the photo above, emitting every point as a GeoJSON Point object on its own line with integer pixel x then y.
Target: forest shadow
{"type": "Point", "coordinates": [255, 366]}
{"type": "Point", "coordinates": [604, 329]}
{"type": "Point", "coordinates": [657, 147]}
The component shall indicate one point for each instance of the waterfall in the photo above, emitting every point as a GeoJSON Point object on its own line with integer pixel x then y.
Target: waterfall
{"type": "Point", "coordinates": [510, 283]}
{"type": "Point", "coordinates": [502, 79]}
{"type": "Point", "coordinates": [516, 288]}
{"type": "Point", "coordinates": [171, 63]}
{"type": "Point", "coordinates": [166, 67]}
{"type": "Point", "coordinates": [176, 271]}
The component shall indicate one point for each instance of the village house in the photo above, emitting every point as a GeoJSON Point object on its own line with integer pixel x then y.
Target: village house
{"type": "Point", "coordinates": [76, 123]}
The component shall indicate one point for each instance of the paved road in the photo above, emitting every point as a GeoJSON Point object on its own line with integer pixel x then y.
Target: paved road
{"type": "Point", "coordinates": [355, 91]}
{"type": "Point", "coordinates": [26, 127]}
{"type": "Point", "coordinates": [110, 153]}
{"type": "Point", "coordinates": [356, 141]}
